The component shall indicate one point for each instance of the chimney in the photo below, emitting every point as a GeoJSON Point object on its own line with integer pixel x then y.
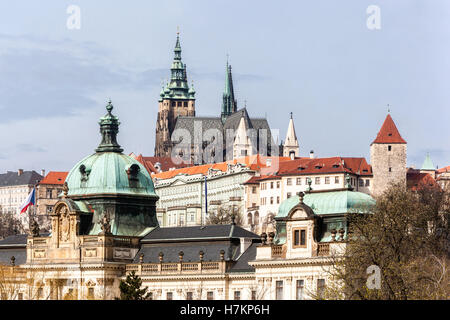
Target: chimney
{"type": "Point", "coordinates": [311, 154]}
{"type": "Point", "coordinates": [43, 172]}
{"type": "Point", "coordinates": [19, 172]}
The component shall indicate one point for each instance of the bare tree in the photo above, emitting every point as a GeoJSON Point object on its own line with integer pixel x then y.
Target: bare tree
{"type": "Point", "coordinates": [406, 236]}
{"type": "Point", "coordinates": [224, 215]}
{"type": "Point", "coordinates": [10, 225]}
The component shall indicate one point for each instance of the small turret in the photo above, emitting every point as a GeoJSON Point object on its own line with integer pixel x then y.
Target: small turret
{"type": "Point", "coordinates": [290, 147]}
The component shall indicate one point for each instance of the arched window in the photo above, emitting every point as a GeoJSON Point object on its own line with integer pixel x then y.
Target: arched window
{"type": "Point", "coordinates": [249, 219]}
{"type": "Point", "coordinates": [256, 218]}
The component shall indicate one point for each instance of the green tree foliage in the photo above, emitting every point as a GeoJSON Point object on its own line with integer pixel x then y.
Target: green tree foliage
{"type": "Point", "coordinates": [407, 236]}
{"type": "Point", "coordinates": [130, 289]}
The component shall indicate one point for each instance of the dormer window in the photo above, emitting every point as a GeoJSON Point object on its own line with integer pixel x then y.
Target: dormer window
{"type": "Point", "coordinates": [318, 167]}
{"type": "Point", "coordinates": [84, 171]}
{"type": "Point", "coordinates": [132, 173]}
{"type": "Point", "coordinates": [301, 168]}
{"type": "Point", "coordinates": [335, 166]}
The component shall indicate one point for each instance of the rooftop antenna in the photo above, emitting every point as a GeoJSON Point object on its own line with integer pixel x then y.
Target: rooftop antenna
{"type": "Point", "coordinates": [389, 109]}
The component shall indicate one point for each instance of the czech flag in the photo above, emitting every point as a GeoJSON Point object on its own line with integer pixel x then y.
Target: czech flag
{"type": "Point", "coordinates": [30, 201]}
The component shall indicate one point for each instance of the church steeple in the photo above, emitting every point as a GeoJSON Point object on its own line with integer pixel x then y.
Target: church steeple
{"type": "Point", "coordinates": [229, 102]}
{"type": "Point", "coordinates": [109, 128]}
{"type": "Point", "coordinates": [290, 146]}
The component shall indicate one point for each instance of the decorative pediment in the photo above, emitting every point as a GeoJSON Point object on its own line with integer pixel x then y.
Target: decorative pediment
{"type": "Point", "coordinates": [65, 221]}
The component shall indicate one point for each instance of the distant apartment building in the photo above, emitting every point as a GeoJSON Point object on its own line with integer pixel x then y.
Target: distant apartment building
{"type": "Point", "coordinates": [301, 175]}
{"type": "Point", "coordinates": [181, 192]}
{"type": "Point", "coordinates": [48, 191]}
{"type": "Point", "coordinates": [15, 186]}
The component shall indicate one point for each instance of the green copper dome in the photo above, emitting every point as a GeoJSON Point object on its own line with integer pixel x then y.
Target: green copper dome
{"type": "Point", "coordinates": [333, 202]}
{"type": "Point", "coordinates": [109, 171]}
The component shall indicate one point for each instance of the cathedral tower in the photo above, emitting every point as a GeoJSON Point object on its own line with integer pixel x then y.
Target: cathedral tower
{"type": "Point", "coordinates": [388, 157]}
{"type": "Point", "coordinates": [176, 99]}
{"type": "Point", "coordinates": [290, 146]}
{"type": "Point", "coordinates": [229, 105]}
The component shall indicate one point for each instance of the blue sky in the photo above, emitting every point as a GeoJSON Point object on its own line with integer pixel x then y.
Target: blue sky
{"type": "Point", "coordinates": [317, 59]}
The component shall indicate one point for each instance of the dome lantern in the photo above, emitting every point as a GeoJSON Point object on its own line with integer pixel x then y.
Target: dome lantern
{"type": "Point", "coordinates": [109, 128]}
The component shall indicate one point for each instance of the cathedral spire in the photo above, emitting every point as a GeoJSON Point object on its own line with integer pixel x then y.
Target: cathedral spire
{"type": "Point", "coordinates": [179, 88]}
{"type": "Point", "coordinates": [109, 128]}
{"type": "Point", "coordinates": [229, 105]}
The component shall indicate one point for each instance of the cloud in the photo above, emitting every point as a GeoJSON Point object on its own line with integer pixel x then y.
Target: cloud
{"type": "Point", "coordinates": [26, 147]}
{"type": "Point", "coordinates": [49, 82]}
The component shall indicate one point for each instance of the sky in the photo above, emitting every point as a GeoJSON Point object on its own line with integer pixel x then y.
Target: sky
{"type": "Point", "coordinates": [317, 59]}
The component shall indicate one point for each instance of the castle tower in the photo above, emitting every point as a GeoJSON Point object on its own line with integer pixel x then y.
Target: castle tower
{"type": "Point", "coordinates": [290, 147]}
{"type": "Point", "coordinates": [387, 157]}
{"type": "Point", "coordinates": [229, 105]}
{"type": "Point", "coordinates": [176, 99]}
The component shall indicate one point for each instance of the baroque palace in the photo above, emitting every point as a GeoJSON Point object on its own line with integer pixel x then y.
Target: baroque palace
{"type": "Point", "coordinates": [117, 213]}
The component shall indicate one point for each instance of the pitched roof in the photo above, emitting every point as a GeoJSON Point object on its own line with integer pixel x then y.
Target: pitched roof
{"type": "Point", "coordinates": [12, 178]}
{"type": "Point", "coordinates": [54, 177]}
{"type": "Point", "coordinates": [302, 166]}
{"type": "Point", "coordinates": [416, 179]}
{"type": "Point", "coordinates": [220, 231]}
{"type": "Point", "coordinates": [444, 169]}
{"type": "Point", "coordinates": [428, 164]}
{"type": "Point", "coordinates": [166, 163]}
{"type": "Point", "coordinates": [389, 132]}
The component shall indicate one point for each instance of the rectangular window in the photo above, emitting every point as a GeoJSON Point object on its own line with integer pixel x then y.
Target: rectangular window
{"type": "Point", "coordinates": [278, 184]}
{"type": "Point", "coordinates": [390, 169]}
{"type": "Point", "coordinates": [336, 180]}
{"type": "Point", "coordinates": [361, 182]}
{"type": "Point", "coordinates": [169, 296]}
{"type": "Point", "coordinates": [40, 293]}
{"type": "Point", "coordinates": [271, 185]}
{"type": "Point", "coordinates": [367, 182]}
{"type": "Point", "coordinates": [289, 181]}
{"type": "Point", "coordinates": [271, 200]}
{"type": "Point", "coordinates": [317, 180]}
{"type": "Point", "coordinates": [299, 181]}
{"type": "Point", "coordinates": [278, 200]}
{"type": "Point", "coordinates": [237, 295]}
{"type": "Point", "coordinates": [389, 148]}
{"type": "Point", "coordinates": [327, 180]}
{"type": "Point", "coordinates": [320, 287]}
{"type": "Point", "coordinates": [49, 193]}
{"type": "Point", "coordinates": [300, 289]}
{"type": "Point", "coordinates": [210, 295]}
{"type": "Point", "coordinates": [189, 296]}
{"type": "Point", "coordinates": [20, 296]}
{"type": "Point", "coordinates": [279, 290]}
{"type": "Point", "coordinates": [253, 189]}
{"type": "Point", "coordinates": [288, 195]}
{"type": "Point", "coordinates": [299, 236]}
{"type": "Point", "coordinates": [90, 293]}
{"type": "Point", "coordinates": [49, 209]}
{"type": "Point", "coordinates": [253, 294]}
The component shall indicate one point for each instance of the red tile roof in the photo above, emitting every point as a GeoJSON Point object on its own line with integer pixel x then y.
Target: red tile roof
{"type": "Point", "coordinates": [165, 162]}
{"type": "Point", "coordinates": [54, 177]}
{"type": "Point", "coordinates": [443, 170]}
{"type": "Point", "coordinates": [302, 166]}
{"type": "Point", "coordinates": [416, 179]}
{"type": "Point", "coordinates": [255, 163]}
{"type": "Point", "coordinates": [389, 132]}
